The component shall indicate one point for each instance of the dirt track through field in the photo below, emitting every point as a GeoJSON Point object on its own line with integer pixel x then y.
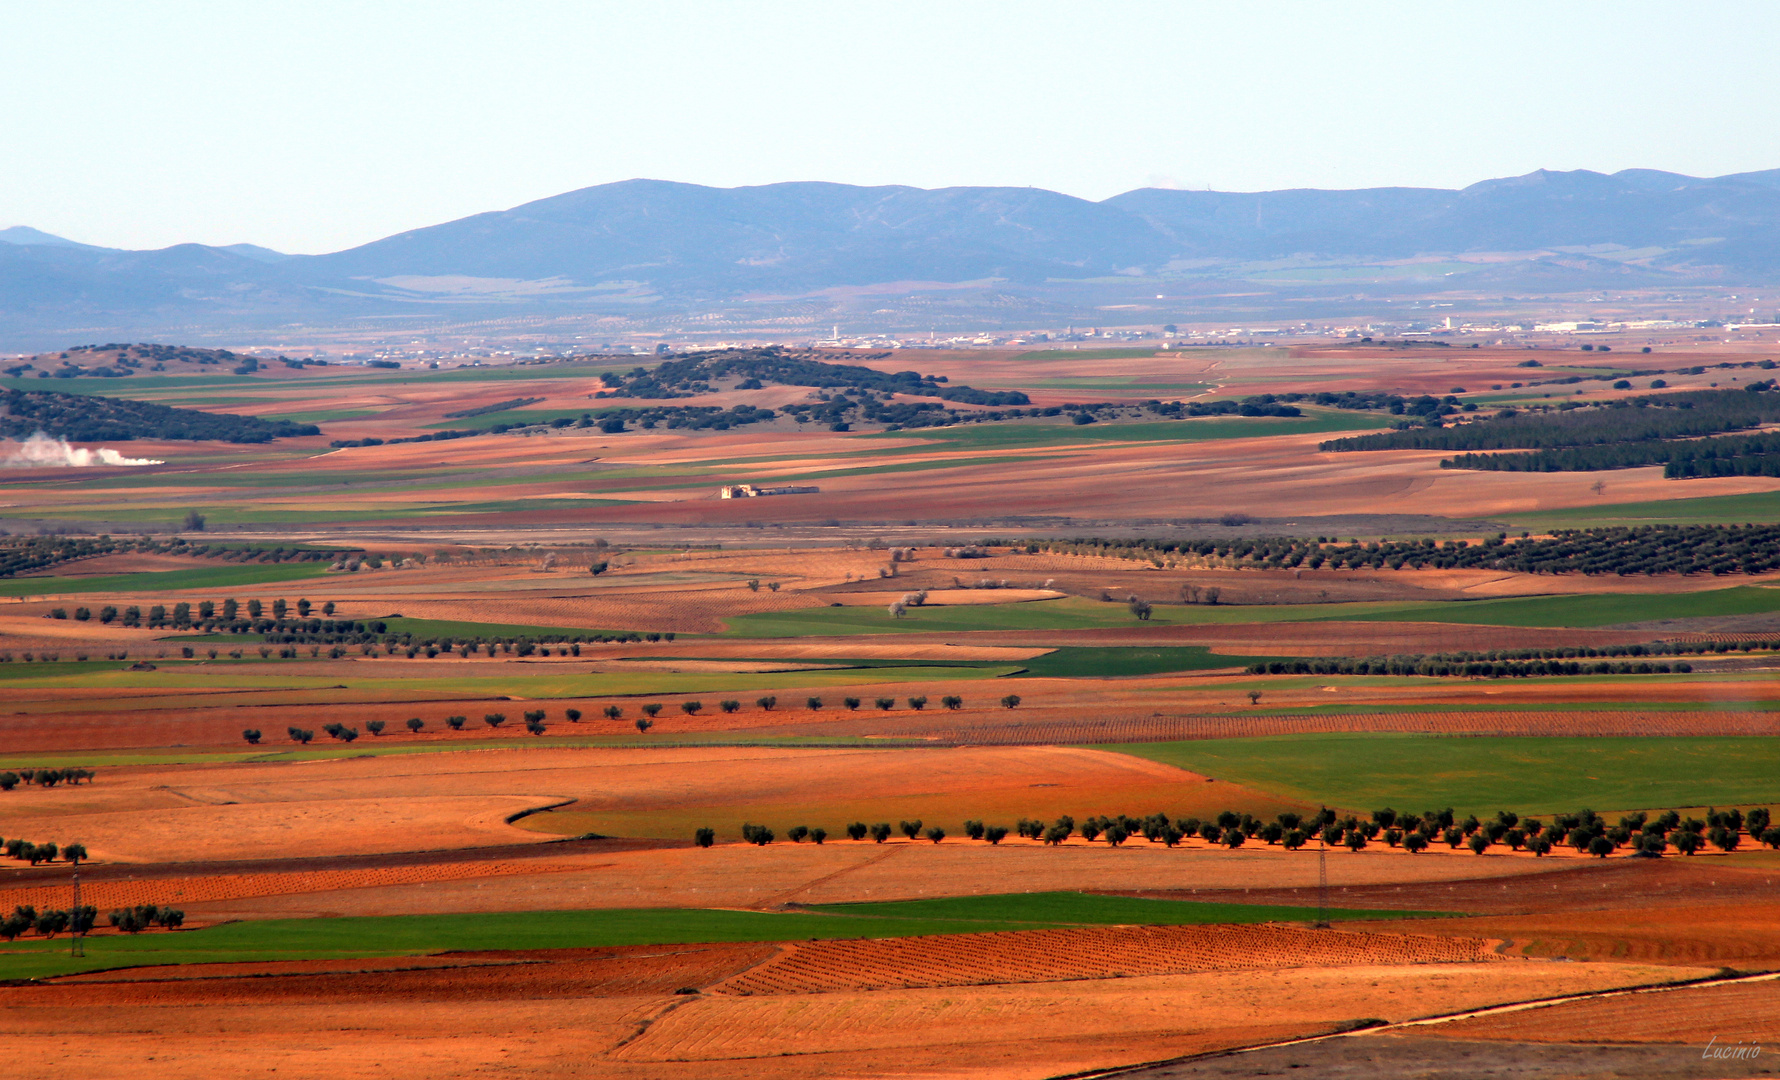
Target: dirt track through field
{"type": "Point", "coordinates": [1166, 728]}
{"type": "Point", "coordinates": [1084, 953]}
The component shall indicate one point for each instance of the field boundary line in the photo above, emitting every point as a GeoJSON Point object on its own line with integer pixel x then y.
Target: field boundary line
{"type": "Point", "coordinates": [1426, 1021]}
{"type": "Point", "coordinates": [784, 899]}
{"type": "Point", "coordinates": [530, 810]}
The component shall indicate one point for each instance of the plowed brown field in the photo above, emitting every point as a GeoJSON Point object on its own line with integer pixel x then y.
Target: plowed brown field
{"type": "Point", "coordinates": [1742, 935]}
{"type": "Point", "coordinates": [1166, 1015]}
{"type": "Point", "coordinates": [627, 1024]}
{"type": "Point", "coordinates": [1747, 1013]}
{"type": "Point", "coordinates": [181, 891]}
{"type": "Point", "coordinates": [1048, 730]}
{"type": "Point", "coordinates": [1084, 953]}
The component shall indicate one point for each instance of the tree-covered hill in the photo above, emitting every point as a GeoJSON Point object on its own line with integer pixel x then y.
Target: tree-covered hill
{"type": "Point", "coordinates": [1685, 415]}
{"type": "Point", "coordinates": [695, 374]}
{"type": "Point", "coordinates": [91, 418]}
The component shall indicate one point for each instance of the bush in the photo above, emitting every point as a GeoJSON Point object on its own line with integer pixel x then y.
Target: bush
{"type": "Point", "coordinates": [935, 834]}
{"type": "Point", "coordinates": [729, 706]}
{"type": "Point", "coordinates": [952, 701]}
{"type": "Point", "coordinates": [494, 720]}
{"type": "Point", "coordinates": [818, 835]}
{"type": "Point", "coordinates": [995, 834]}
{"type": "Point", "coordinates": [704, 837]}
{"type": "Point", "coordinates": [851, 703]}
{"type": "Point", "coordinates": [652, 709]}
{"type": "Point", "coordinates": [910, 829]}
{"type": "Point", "coordinates": [375, 727]}
{"type": "Point", "coordinates": [813, 702]}
{"type": "Point", "coordinates": [796, 833]}
{"type": "Point", "coordinates": [252, 735]}
{"type": "Point", "coordinates": [880, 832]}
{"type": "Point", "coordinates": [1010, 701]}
{"type": "Point", "coordinates": [886, 703]}
{"type": "Point", "coordinates": [644, 724]}
{"type": "Point", "coordinates": [767, 702]}
{"type": "Point", "coordinates": [918, 703]}
{"type": "Point", "coordinates": [691, 708]}
{"type": "Point", "coordinates": [857, 830]}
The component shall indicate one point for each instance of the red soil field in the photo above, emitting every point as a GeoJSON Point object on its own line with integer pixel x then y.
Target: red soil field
{"type": "Point", "coordinates": [1747, 1013]}
{"type": "Point", "coordinates": [1048, 729]}
{"type": "Point", "coordinates": [1616, 884]}
{"type": "Point", "coordinates": [470, 1020]}
{"type": "Point", "coordinates": [1047, 1029]}
{"type": "Point", "coordinates": [1706, 933]}
{"type": "Point", "coordinates": [179, 891]}
{"type": "Point", "coordinates": [743, 876]}
{"type": "Point", "coordinates": [1084, 953]}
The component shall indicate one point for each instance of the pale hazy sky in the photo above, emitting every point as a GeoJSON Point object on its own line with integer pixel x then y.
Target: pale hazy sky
{"type": "Point", "coordinates": [317, 125]}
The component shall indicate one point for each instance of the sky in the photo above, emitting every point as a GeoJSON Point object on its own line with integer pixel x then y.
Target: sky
{"type": "Point", "coordinates": [314, 126]}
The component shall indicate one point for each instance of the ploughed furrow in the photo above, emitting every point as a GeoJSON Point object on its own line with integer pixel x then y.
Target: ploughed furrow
{"type": "Point", "coordinates": [1099, 952]}
{"type": "Point", "coordinates": [1166, 728]}
{"type": "Point", "coordinates": [174, 891]}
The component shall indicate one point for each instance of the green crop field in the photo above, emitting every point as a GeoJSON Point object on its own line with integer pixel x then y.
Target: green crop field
{"type": "Point", "coordinates": [1587, 610]}
{"type": "Point", "coordinates": [322, 416]}
{"type": "Point", "coordinates": [396, 741]}
{"type": "Point", "coordinates": [265, 684]}
{"type": "Point", "coordinates": [1084, 909]}
{"type": "Point", "coordinates": [1067, 613]}
{"type": "Point", "coordinates": [1074, 662]}
{"type": "Point", "coordinates": [1760, 507]}
{"type": "Point", "coordinates": [443, 628]}
{"type": "Point", "coordinates": [198, 578]}
{"type": "Point", "coordinates": [988, 436]}
{"type": "Point", "coordinates": [1086, 354]}
{"type": "Point", "coordinates": [1361, 772]}
{"type": "Point", "coordinates": [419, 935]}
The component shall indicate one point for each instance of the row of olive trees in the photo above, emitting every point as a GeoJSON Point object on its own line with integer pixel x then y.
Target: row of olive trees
{"type": "Point", "coordinates": [44, 777]}
{"type": "Point", "coordinates": [36, 854]}
{"type": "Point", "coordinates": [25, 919]}
{"type": "Point", "coordinates": [136, 919]}
{"type": "Point", "coordinates": [1585, 831]}
{"type": "Point", "coordinates": [534, 720]}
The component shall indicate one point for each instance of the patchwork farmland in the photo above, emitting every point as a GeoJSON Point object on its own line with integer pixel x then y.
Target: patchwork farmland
{"type": "Point", "coordinates": [1053, 706]}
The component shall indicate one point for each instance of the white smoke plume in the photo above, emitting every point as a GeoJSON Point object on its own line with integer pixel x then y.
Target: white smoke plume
{"type": "Point", "coordinates": [42, 452]}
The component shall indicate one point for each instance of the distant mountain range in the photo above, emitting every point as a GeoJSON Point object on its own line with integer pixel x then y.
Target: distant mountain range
{"type": "Point", "coordinates": [647, 245]}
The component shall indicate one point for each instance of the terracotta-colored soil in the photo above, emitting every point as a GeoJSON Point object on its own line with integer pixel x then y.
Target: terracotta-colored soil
{"type": "Point", "coordinates": [1088, 953]}
{"type": "Point", "coordinates": [627, 1022]}
{"type": "Point", "coordinates": [182, 891]}
{"type": "Point", "coordinates": [1183, 1013]}
{"type": "Point", "coordinates": [1048, 729]}
{"type": "Point", "coordinates": [1574, 886]}
{"type": "Point", "coordinates": [1743, 935]}
{"type": "Point", "coordinates": [1721, 1016]}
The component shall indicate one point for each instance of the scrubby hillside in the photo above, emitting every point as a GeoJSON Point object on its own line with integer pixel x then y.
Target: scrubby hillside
{"type": "Point", "coordinates": [91, 418]}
